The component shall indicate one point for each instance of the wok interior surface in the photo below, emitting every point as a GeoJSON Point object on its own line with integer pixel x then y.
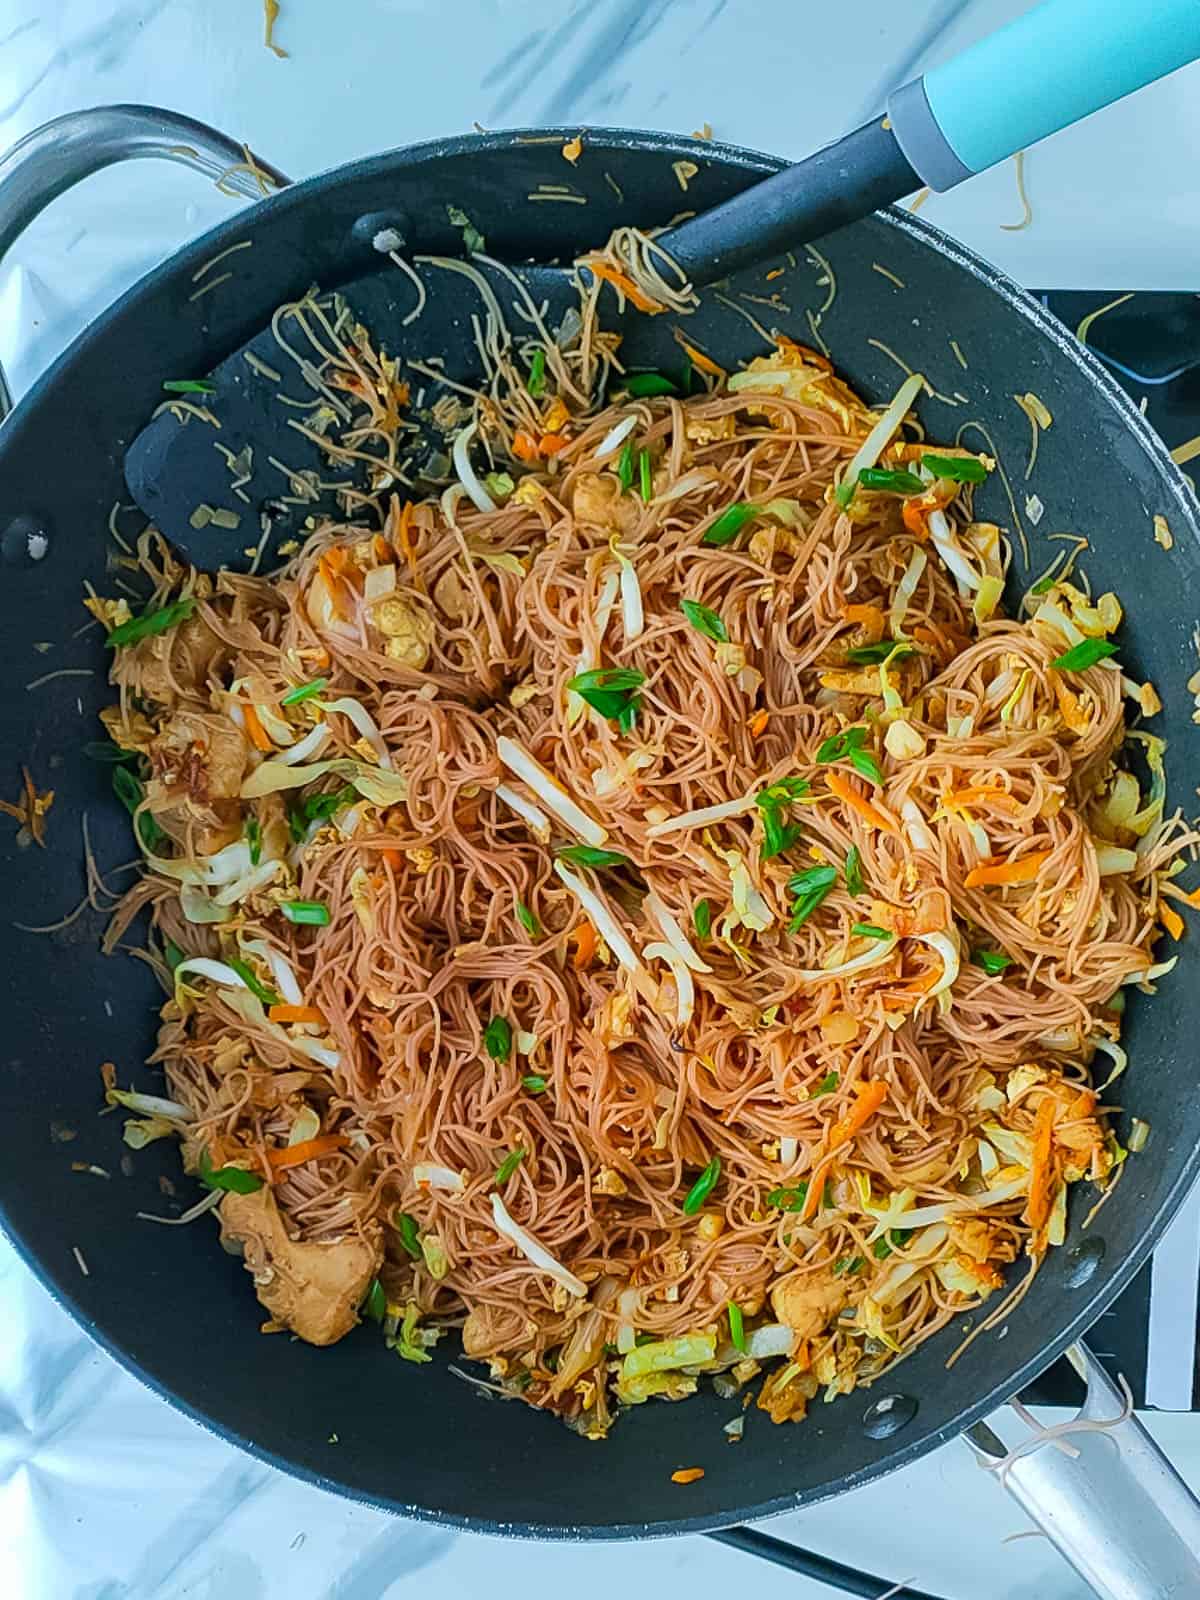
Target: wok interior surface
{"type": "Point", "coordinates": [169, 1303]}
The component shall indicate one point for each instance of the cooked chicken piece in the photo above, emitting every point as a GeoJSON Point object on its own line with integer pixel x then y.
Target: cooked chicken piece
{"type": "Point", "coordinates": [203, 756]}
{"type": "Point", "coordinates": [313, 1289]}
{"type": "Point", "coordinates": [807, 1302]}
{"type": "Point", "coordinates": [182, 657]}
{"type": "Point", "coordinates": [407, 631]}
{"type": "Point", "coordinates": [598, 501]}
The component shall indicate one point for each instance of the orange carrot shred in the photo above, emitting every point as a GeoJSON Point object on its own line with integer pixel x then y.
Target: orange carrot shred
{"type": "Point", "coordinates": [295, 1155]}
{"type": "Point", "coordinates": [551, 443]}
{"type": "Point", "coordinates": [620, 280]}
{"type": "Point", "coordinates": [393, 858]}
{"type": "Point", "coordinates": [1171, 921]}
{"type": "Point", "coordinates": [758, 724]}
{"type": "Point", "coordinates": [584, 939]}
{"type": "Point", "coordinates": [285, 1013]}
{"type": "Point", "coordinates": [687, 1475]}
{"type": "Point", "coordinates": [1037, 1208]}
{"type": "Point", "coordinates": [993, 873]}
{"type": "Point", "coordinates": [845, 791]}
{"type": "Point", "coordinates": [698, 358]}
{"type": "Point", "coordinates": [259, 737]}
{"type": "Point", "coordinates": [869, 617]}
{"type": "Point", "coordinates": [871, 1096]}
{"type": "Point", "coordinates": [525, 447]}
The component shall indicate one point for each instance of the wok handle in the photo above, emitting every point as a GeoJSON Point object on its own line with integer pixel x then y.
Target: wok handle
{"type": "Point", "coordinates": [1115, 1507]}
{"type": "Point", "coordinates": [53, 158]}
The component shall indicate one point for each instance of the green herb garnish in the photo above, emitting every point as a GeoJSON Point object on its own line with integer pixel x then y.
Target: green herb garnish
{"type": "Point", "coordinates": [737, 1327]}
{"type": "Point", "coordinates": [827, 1085]}
{"type": "Point", "coordinates": [253, 832]}
{"type": "Point", "coordinates": [129, 791]}
{"type": "Point", "coordinates": [847, 1264]}
{"type": "Point", "coordinates": [151, 622]}
{"type": "Point", "coordinates": [896, 1239]}
{"type": "Point", "coordinates": [406, 1227]}
{"type": "Point", "coordinates": [873, 655]}
{"type": "Point", "coordinates": [250, 978]}
{"type": "Point", "coordinates": [304, 691]}
{"type": "Point", "coordinates": [172, 954]}
{"type": "Point", "coordinates": [993, 962]}
{"type": "Point", "coordinates": [958, 469]}
{"type": "Point", "coordinates": [853, 871]}
{"type": "Point", "coordinates": [508, 1166]}
{"type": "Point", "coordinates": [473, 241]}
{"type": "Point", "coordinates": [628, 714]}
{"type": "Point", "coordinates": [608, 690]}
{"type": "Point", "coordinates": [527, 919]}
{"type": "Point", "coordinates": [535, 1083]}
{"type": "Point", "coordinates": [234, 1179]}
{"type": "Point", "coordinates": [702, 1188]}
{"type": "Point", "coordinates": [865, 764]}
{"type": "Point", "coordinates": [1044, 585]}
{"type": "Point", "coordinates": [625, 468]}
{"type": "Point", "coordinates": [1085, 654]}
{"type": "Point", "coordinates": [313, 913]}
{"type": "Point", "coordinates": [773, 802]}
{"type": "Point", "coordinates": [891, 482]}
{"type": "Point", "coordinates": [702, 919]}
{"type": "Point", "coordinates": [498, 1038]}
{"type": "Point", "coordinates": [189, 386]}
{"type": "Point", "coordinates": [868, 930]}
{"type": "Point", "coordinates": [809, 889]}
{"type": "Point", "coordinates": [729, 524]}
{"type": "Point", "coordinates": [590, 855]}
{"type": "Point", "coordinates": [704, 621]}
{"type": "Point", "coordinates": [640, 384]}
{"type": "Point", "coordinates": [789, 1199]}
{"type": "Point", "coordinates": [375, 1305]}
{"type": "Point", "coordinates": [645, 481]}
{"type": "Point", "coordinates": [839, 746]}
{"type": "Point", "coordinates": [103, 750]}
{"type": "Point", "coordinates": [536, 382]}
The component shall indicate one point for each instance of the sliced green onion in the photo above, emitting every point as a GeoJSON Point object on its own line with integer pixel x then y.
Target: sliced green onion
{"type": "Point", "coordinates": [646, 383]}
{"type": "Point", "coordinates": [497, 1039]}
{"type": "Point", "coordinates": [320, 807]}
{"type": "Point", "coordinates": [853, 871]}
{"type": "Point", "coordinates": [773, 802]}
{"type": "Point", "coordinates": [702, 1188]}
{"type": "Point", "coordinates": [304, 691]}
{"type": "Point", "coordinates": [509, 1165]}
{"type": "Point", "coordinates": [1117, 1002]}
{"type": "Point", "coordinates": [1139, 1132]}
{"type": "Point", "coordinates": [871, 655]}
{"type": "Point", "coordinates": [704, 621]}
{"type": "Point", "coordinates": [173, 955]}
{"type": "Point", "coordinates": [847, 1264]}
{"type": "Point", "coordinates": [1044, 585]}
{"type": "Point", "coordinates": [958, 469]}
{"type": "Point", "coordinates": [737, 1327]}
{"type": "Point", "coordinates": [254, 839]}
{"type": "Point", "coordinates": [625, 468]}
{"type": "Point", "coordinates": [313, 913]}
{"type": "Point", "coordinates": [628, 714]}
{"type": "Point", "coordinates": [782, 792]}
{"type": "Point", "coordinates": [839, 746]}
{"type": "Point", "coordinates": [527, 919]}
{"type": "Point", "coordinates": [234, 1179]}
{"type": "Point", "coordinates": [702, 919]}
{"type": "Point", "coordinates": [105, 751]}
{"type": "Point", "coordinates": [810, 888]}
{"type": "Point", "coordinates": [189, 386]}
{"type": "Point", "coordinates": [1085, 654]}
{"type": "Point", "coordinates": [589, 855]}
{"type": "Point", "coordinates": [868, 930]}
{"type": "Point", "coordinates": [250, 978]}
{"type": "Point", "coordinates": [535, 1083]}
{"type": "Point", "coordinates": [729, 524]}
{"type": "Point", "coordinates": [993, 962]}
{"type": "Point", "coordinates": [827, 1085]}
{"type": "Point", "coordinates": [645, 481]}
{"type": "Point", "coordinates": [375, 1305]}
{"type": "Point", "coordinates": [893, 482]}
{"type": "Point", "coordinates": [894, 1240]}
{"type": "Point", "coordinates": [151, 622]}
{"type": "Point", "coordinates": [406, 1227]}
{"type": "Point", "coordinates": [789, 1199]}
{"type": "Point", "coordinates": [129, 791]}
{"type": "Point", "coordinates": [607, 690]}
{"type": "Point", "coordinates": [537, 373]}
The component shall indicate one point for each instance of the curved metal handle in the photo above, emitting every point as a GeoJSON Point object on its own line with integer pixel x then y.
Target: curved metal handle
{"type": "Point", "coordinates": [56, 156]}
{"type": "Point", "coordinates": [1114, 1506]}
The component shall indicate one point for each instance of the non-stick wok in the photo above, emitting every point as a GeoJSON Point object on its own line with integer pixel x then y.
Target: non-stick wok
{"type": "Point", "coordinates": [167, 1302]}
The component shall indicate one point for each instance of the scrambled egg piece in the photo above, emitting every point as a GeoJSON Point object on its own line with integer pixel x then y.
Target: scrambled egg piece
{"type": "Point", "coordinates": [807, 1302]}
{"type": "Point", "coordinates": [407, 631]}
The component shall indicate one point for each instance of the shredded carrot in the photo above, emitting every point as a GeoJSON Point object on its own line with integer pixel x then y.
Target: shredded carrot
{"type": "Point", "coordinates": [913, 518]}
{"type": "Point", "coordinates": [584, 939]}
{"type": "Point", "coordinates": [811, 357]}
{"type": "Point", "coordinates": [295, 1155]}
{"type": "Point", "coordinates": [812, 1197]}
{"type": "Point", "coordinates": [1171, 921]}
{"type": "Point", "coordinates": [845, 791]}
{"type": "Point", "coordinates": [1191, 898]}
{"type": "Point", "coordinates": [403, 536]}
{"type": "Point", "coordinates": [775, 272]}
{"type": "Point", "coordinates": [295, 1014]}
{"type": "Point", "coordinates": [687, 1475]}
{"type": "Point", "coordinates": [1024, 870]}
{"type": "Point", "coordinates": [982, 794]}
{"type": "Point", "coordinates": [382, 549]}
{"type": "Point", "coordinates": [803, 1355]}
{"type": "Point", "coordinates": [259, 737]}
{"type": "Point", "coordinates": [393, 858]}
{"type": "Point", "coordinates": [698, 358]}
{"type": "Point", "coordinates": [331, 564]}
{"type": "Point", "coordinates": [551, 443]}
{"type": "Point", "coordinates": [1083, 1104]}
{"type": "Point", "coordinates": [868, 616]}
{"type": "Point", "coordinates": [758, 724]}
{"type": "Point", "coordinates": [1037, 1208]}
{"type": "Point", "coordinates": [621, 281]}
{"type": "Point", "coordinates": [871, 1096]}
{"type": "Point", "coordinates": [525, 446]}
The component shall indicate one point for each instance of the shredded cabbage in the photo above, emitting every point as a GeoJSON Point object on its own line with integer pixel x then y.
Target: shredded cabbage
{"type": "Point", "coordinates": [664, 1355]}
{"type": "Point", "coordinates": [380, 787]}
{"type": "Point", "coordinates": [534, 1252]}
{"type": "Point", "coordinates": [363, 721]}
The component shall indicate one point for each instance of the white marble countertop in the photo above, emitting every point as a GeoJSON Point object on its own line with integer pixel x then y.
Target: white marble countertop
{"type": "Point", "coordinates": [106, 1493]}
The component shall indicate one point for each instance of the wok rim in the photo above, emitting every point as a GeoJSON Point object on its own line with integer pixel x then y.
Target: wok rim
{"type": "Point", "coordinates": [1015, 300]}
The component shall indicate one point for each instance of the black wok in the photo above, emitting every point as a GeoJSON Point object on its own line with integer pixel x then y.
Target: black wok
{"type": "Point", "coordinates": [167, 1303]}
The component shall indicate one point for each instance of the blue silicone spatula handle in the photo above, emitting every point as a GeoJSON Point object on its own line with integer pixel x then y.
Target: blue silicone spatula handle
{"type": "Point", "coordinates": [1051, 67]}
